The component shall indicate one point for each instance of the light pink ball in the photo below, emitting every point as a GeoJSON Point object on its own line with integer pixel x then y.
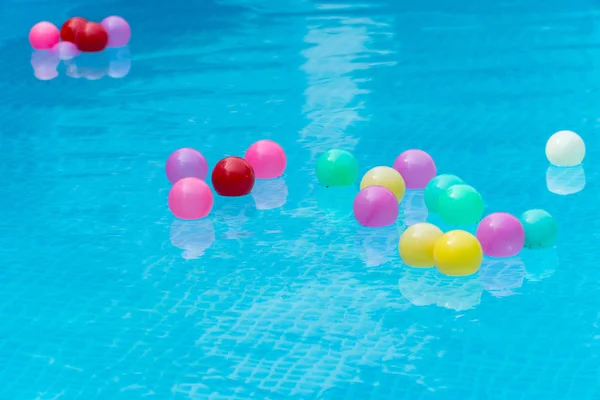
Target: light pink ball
{"type": "Point", "coordinates": [190, 198]}
{"type": "Point", "coordinates": [43, 36]}
{"type": "Point", "coordinates": [501, 235]}
{"type": "Point", "coordinates": [119, 31]}
{"type": "Point", "coordinates": [416, 167]}
{"type": "Point", "coordinates": [65, 50]}
{"type": "Point", "coordinates": [267, 158]}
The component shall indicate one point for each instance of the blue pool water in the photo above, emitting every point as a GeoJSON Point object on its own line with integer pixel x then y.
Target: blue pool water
{"type": "Point", "coordinates": [280, 295]}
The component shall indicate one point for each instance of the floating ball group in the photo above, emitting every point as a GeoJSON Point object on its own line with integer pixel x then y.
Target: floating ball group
{"type": "Point", "coordinates": [87, 36]}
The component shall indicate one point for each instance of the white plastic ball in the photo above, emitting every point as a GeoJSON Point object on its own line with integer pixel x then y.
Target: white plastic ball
{"type": "Point", "coordinates": [565, 149]}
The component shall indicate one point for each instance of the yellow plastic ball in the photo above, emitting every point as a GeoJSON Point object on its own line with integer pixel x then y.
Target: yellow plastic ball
{"type": "Point", "coordinates": [457, 253]}
{"type": "Point", "coordinates": [416, 244]}
{"type": "Point", "coordinates": [387, 177]}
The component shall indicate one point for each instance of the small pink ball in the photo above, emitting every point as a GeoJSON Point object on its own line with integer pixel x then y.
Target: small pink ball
{"type": "Point", "coordinates": [416, 167]}
{"type": "Point", "coordinates": [44, 35]}
{"type": "Point", "coordinates": [186, 163]}
{"type": "Point", "coordinates": [376, 207]}
{"type": "Point", "coordinates": [119, 31]}
{"type": "Point", "coordinates": [267, 158]}
{"type": "Point", "coordinates": [190, 198]}
{"type": "Point", "coordinates": [501, 235]}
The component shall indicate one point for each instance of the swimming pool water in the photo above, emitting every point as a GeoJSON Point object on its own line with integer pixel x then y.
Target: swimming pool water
{"type": "Point", "coordinates": [280, 295]}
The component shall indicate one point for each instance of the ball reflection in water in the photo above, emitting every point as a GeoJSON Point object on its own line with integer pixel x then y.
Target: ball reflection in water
{"type": "Point", "coordinates": [193, 237]}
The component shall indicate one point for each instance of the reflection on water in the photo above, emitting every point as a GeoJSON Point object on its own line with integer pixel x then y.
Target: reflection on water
{"type": "Point", "coordinates": [377, 246]}
{"type": "Point", "coordinates": [44, 65]}
{"type": "Point", "coordinates": [539, 264]}
{"type": "Point", "coordinates": [115, 63]}
{"type": "Point", "coordinates": [332, 96]}
{"type": "Point", "coordinates": [425, 287]}
{"type": "Point", "coordinates": [336, 203]}
{"type": "Point", "coordinates": [269, 194]}
{"type": "Point", "coordinates": [413, 207]}
{"type": "Point", "coordinates": [193, 237]}
{"type": "Point", "coordinates": [565, 181]}
{"type": "Point", "coordinates": [502, 277]}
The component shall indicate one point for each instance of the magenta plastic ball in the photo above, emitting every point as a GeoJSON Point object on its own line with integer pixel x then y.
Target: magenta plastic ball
{"type": "Point", "coordinates": [501, 235]}
{"type": "Point", "coordinates": [186, 163]}
{"type": "Point", "coordinates": [119, 31]}
{"type": "Point", "coordinates": [267, 158]}
{"type": "Point", "coordinates": [416, 167]}
{"type": "Point", "coordinates": [65, 50]}
{"type": "Point", "coordinates": [44, 35]}
{"type": "Point", "coordinates": [190, 198]}
{"type": "Point", "coordinates": [375, 207]}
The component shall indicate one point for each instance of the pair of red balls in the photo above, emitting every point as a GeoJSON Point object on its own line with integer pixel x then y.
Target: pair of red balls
{"type": "Point", "coordinates": [87, 36]}
{"type": "Point", "coordinates": [232, 177]}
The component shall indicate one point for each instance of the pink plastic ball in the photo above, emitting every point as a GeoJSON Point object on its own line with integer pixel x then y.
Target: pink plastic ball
{"type": "Point", "coordinates": [65, 50]}
{"type": "Point", "coordinates": [44, 35]}
{"type": "Point", "coordinates": [416, 167]}
{"type": "Point", "coordinates": [190, 198]}
{"type": "Point", "coordinates": [376, 207]}
{"type": "Point", "coordinates": [267, 158]}
{"type": "Point", "coordinates": [119, 31]}
{"type": "Point", "coordinates": [186, 163]}
{"type": "Point", "coordinates": [501, 235]}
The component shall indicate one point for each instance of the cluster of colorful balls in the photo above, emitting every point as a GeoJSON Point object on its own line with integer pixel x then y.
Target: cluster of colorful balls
{"type": "Point", "coordinates": [454, 253]}
{"type": "Point", "coordinates": [79, 35]}
{"type": "Point", "coordinates": [459, 253]}
{"type": "Point", "coordinates": [190, 197]}
{"type": "Point", "coordinates": [382, 188]}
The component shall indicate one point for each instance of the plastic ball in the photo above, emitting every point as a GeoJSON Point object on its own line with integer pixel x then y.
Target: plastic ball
{"type": "Point", "coordinates": [43, 36]}
{"type": "Point", "coordinates": [416, 167]}
{"type": "Point", "coordinates": [267, 158]}
{"type": "Point", "coordinates": [375, 207]}
{"type": "Point", "coordinates": [65, 50]}
{"type": "Point", "coordinates": [232, 177]}
{"type": "Point", "coordinates": [69, 29]}
{"type": "Point", "coordinates": [501, 235]}
{"type": "Point", "coordinates": [436, 187]}
{"type": "Point", "coordinates": [565, 149]}
{"type": "Point", "coordinates": [337, 168]}
{"type": "Point", "coordinates": [186, 163]}
{"type": "Point", "coordinates": [540, 229]}
{"type": "Point", "coordinates": [91, 38]}
{"type": "Point", "coordinates": [416, 244]}
{"type": "Point", "coordinates": [460, 205]}
{"type": "Point", "coordinates": [190, 198]}
{"type": "Point", "coordinates": [119, 31]}
{"type": "Point", "coordinates": [388, 178]}
{"type": "Point", "coordinates": [457, 253]}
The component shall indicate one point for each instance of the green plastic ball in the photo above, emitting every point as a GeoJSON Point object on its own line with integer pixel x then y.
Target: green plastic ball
{"type": "Point", "coordinates": [436, 187]}
{"type": "Point", "coordinates": [461, 205]}
{"type": "Point", "coordinates": [337, 168]}
{"type": "Point", "coordinates": [540, 229]}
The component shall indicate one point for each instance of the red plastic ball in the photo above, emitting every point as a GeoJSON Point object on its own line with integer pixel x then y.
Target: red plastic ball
{"type": "Point", "coordinates": [233, 176]}
{"type": "Point", "coordinates": [70, 28]}
{"type": "Point", "coordinates": [91, 38]}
